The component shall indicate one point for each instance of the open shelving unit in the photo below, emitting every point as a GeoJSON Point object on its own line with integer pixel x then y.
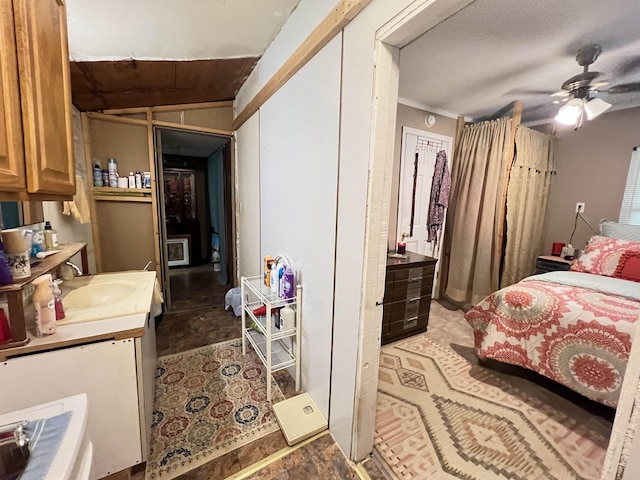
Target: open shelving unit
{"type": "Point", "coordinates": [276, 348]}
{"type": "Point", "coordinates": [122, 194]}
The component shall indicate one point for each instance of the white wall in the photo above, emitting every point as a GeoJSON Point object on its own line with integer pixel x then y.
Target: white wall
{"type": "Point", "coordinates": [307, 15]}
{"type": "Point", "coordinates": [248, 227]}
{"type": "Point", "coordinates": [299, 128]}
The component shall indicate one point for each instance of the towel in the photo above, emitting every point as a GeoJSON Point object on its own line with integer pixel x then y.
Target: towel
{"type": "Point", "coordinates": [78, 208]}
{"type": "Point", "coordinates": [45, 437]}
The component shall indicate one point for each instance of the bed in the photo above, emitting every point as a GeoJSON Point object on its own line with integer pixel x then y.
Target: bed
{"type": "Point", "coordinates": [573, 327]}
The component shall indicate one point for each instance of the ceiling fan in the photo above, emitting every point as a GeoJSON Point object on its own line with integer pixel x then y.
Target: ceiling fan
{"type": "Point", "coordinates": [580, 90]}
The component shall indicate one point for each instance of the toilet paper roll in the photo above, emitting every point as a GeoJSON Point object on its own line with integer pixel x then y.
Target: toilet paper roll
{"type": "Point", "coordinates": [14, 241]}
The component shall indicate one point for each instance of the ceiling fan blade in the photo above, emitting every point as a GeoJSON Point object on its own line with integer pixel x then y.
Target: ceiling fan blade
{"type": "Point", "coordinates": [624, 88]}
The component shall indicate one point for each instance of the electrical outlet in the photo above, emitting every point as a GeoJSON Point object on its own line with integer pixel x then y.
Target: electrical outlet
{"type": "Point", "coordinates": [580, 207]}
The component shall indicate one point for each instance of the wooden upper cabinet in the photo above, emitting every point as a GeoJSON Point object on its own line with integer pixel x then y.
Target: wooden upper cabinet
{"type": "Point", "coordinates": [45, 91]}
{"type": "Point", "coordinates": [12, 177]}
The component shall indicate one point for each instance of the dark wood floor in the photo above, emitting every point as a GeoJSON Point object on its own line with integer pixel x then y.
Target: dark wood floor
{"type": "Point", "coordinates": [195, 287]}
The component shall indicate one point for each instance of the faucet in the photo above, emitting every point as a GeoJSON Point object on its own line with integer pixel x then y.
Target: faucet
{"type": "Point", "coordinates": [76, 269]}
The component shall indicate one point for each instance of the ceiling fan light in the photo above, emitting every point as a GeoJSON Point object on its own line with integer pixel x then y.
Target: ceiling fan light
{"type": "Point", "coordinates": [596, 107]}
{"type": "Point", "coordinates": [570, 113]}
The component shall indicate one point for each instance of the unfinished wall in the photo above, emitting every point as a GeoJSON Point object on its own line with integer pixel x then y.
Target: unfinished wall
{"type": "Point", "coordinates": [414, 118]}
{"type": "Point", "coordinates": [592, 165]}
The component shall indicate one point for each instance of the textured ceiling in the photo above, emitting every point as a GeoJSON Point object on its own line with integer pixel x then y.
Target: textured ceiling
{"type": "Point", "coordinates": [496, 51]}
{"type": "Point", "coordinates": [173, 29]}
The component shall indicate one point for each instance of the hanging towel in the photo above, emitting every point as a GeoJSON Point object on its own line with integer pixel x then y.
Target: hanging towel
{"type": "Point", "coordinates": [439, 199]}
{"type": "Point", "coordinates": [79, 207]}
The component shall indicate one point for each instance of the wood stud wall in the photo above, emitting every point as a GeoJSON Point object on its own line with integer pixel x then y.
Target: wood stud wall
{"type": "Point", "coordinates": [110, 214]}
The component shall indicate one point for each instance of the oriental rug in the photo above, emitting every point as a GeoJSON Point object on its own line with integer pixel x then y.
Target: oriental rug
{"type": "Point", "coordinates": [208, 401]}
{"type": "Point", "coordinates": [441, 417]}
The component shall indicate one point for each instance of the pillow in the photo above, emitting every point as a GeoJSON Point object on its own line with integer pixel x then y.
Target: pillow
{"type": "Point", "coordinates": [610, 257]}
{"type": "Point", "coordinates": [609, 228]}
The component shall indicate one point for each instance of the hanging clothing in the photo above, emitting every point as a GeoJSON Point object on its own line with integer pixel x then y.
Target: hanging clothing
{"type": "Point", "coordinates": [439, 199]}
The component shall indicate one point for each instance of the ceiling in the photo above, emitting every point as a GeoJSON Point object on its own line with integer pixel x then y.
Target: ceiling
{"type": "Point", "coordinates": [496, 51]}
{"type": "Point", "coordinates": [189, 144]}
{"type": "Point", "coordinates": [147, 52]}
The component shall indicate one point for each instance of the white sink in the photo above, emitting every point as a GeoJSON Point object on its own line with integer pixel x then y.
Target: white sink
{"type": "Point", "coordinates": [107, 295]}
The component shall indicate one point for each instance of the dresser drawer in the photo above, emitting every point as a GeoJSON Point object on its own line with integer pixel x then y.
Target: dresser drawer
{"type": "Point", "coordinates": [413, 273]}
{"type": "Point", "coordinates": [408, 289]}
{"type": "Point", "coordinates": [417, 322]}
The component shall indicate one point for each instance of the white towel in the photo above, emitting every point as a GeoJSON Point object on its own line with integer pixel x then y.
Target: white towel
{"type": "Point", "coordinates": [78, 208]}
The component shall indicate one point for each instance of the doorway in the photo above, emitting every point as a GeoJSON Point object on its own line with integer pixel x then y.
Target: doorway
{"type": "Point", "coordinates": [195, 215]}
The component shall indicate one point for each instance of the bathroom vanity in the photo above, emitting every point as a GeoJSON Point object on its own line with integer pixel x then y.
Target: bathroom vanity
{"type": "Point", "coordinates": [112, 360]}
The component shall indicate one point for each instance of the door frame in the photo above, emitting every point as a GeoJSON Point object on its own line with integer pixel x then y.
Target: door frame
{"type": "Point", "coordinates": [413, 21]}
{"type": "Point", "coordinates": [230, 218]}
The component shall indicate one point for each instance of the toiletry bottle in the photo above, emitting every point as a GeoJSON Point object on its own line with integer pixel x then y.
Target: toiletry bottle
{"type": "Point", "coordinates": [132, 180]}
{"type": "Point", "coordinates": [138, 180]}
{"type": "Point", "coordinates": [146, 179]}
{"type": "Point", "coordinates": [105, 178]}
{"type": "Point", "coordinates": [97, 176]}
{"type": "Point", "coordinates": [50, 237]}
{"type": "Point", "coordinates": [288, 318]}
{"type": "Point", "coordinates": [37, 242]}
{"type": "Point", "coordinates": [280, 279]}
{"type": "Point", "coordinates": [268, 262]}
{"type": "Point", "coordinates": [57, 299]}
{"type": "Point", "coordinates": [112, 167]}
{"type": "Point", "coordinates": [273, 281]}
{"type": "Point", "coordinates": [5, 274]}
{"type": "Point", "coordinates": [287, 283]}
{"type": "Point", "coordinates": [44, 304]}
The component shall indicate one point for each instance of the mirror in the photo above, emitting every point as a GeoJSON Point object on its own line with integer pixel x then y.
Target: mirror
{"type": "Point", "coordinates": [18, 214]}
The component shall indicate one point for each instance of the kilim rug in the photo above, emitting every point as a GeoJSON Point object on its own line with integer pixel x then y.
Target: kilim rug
{"type": "Point", "coordinates": [439, 417]}
{"type": "Point", "coordinates": [208, 401]}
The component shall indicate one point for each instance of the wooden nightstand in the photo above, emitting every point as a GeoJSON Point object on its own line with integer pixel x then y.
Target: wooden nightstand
{"type": "Point", "coordinates": [551, 263]}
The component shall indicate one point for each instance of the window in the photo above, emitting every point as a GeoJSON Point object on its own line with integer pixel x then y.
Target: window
{"type": "Point", "coordinates": [630, 210]}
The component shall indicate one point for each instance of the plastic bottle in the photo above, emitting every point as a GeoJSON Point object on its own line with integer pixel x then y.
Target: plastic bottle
{"type": "Point", "coordinates": [50, 237]}
{"type": "Point", "coordinates": [105, 178]}
{"type": "Point", "coordinates": [57, 299]}
{"type": "Point", "coordinates": [44, 304]}
{"type": "Point", "coordinates": [288, 318]}
{"type": "Point", "coordinates": [138, 180]}
{"type": "Point", "coordinates": [132, 180]}
{"type": "Point", "coordinates": [112, 167]}
{"type": "Point", "coordinates": [280, 278]}
{"type": "Point", "coordinates": [288, 283]}
{"type": "Point", "coordinates": [97, 176]}
{"type": "Point", "coordinates": [273, 281]}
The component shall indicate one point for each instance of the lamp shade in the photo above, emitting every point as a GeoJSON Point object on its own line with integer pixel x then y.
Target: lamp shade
{"type": "Point", "coordinates": [596, 107]}
{"type": "Point", "coordinates": [570, 113]}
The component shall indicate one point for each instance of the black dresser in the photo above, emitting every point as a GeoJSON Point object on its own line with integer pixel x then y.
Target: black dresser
{"type": "Point", "coordinates": [407, 296]}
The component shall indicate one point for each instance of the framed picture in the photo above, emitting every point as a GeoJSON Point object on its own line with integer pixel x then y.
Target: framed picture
{"type": "Point", "coordinates": [178, 251]}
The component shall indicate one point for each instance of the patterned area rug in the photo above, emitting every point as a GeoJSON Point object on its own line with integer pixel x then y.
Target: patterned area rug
{"type": "Point", "coordinates": [208, 401]}
{"type": "Point", "coordinates": [440, 417]}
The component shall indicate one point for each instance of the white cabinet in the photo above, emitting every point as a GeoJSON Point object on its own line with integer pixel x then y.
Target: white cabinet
{"type": "Point", "coordinates": [116, 375]}
{"type": "Point", "coordinates": [277, 348]}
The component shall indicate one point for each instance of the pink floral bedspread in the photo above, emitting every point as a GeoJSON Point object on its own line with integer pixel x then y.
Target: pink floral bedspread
{"type": "Point", "coordinates": [579, 337]}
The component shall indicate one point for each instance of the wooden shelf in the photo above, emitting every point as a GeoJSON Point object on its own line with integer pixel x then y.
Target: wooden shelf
{"type": "Point", "coordinates": [120, 191]}
{"type": "Point", "coordinates": [46, 265]}
{"type": "Point", "coordinates": [122, 194]}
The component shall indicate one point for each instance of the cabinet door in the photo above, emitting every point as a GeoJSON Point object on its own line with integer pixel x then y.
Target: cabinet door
{"type": "Point", "coordinates": [43, 61]}
{"type": "Point", "coordinates": [11, 153]}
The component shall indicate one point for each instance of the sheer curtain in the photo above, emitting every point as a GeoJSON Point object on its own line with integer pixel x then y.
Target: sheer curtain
{"type": "Point", "coordinates": [473, 222]}
{"type": "Point", "coordinates": [527, 197]}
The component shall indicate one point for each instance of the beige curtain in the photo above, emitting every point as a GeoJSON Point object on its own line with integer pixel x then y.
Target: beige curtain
{"type": "Point", "coordinates": [527, 197]}
{"type": "Point", "coordinates": [479, 165]}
